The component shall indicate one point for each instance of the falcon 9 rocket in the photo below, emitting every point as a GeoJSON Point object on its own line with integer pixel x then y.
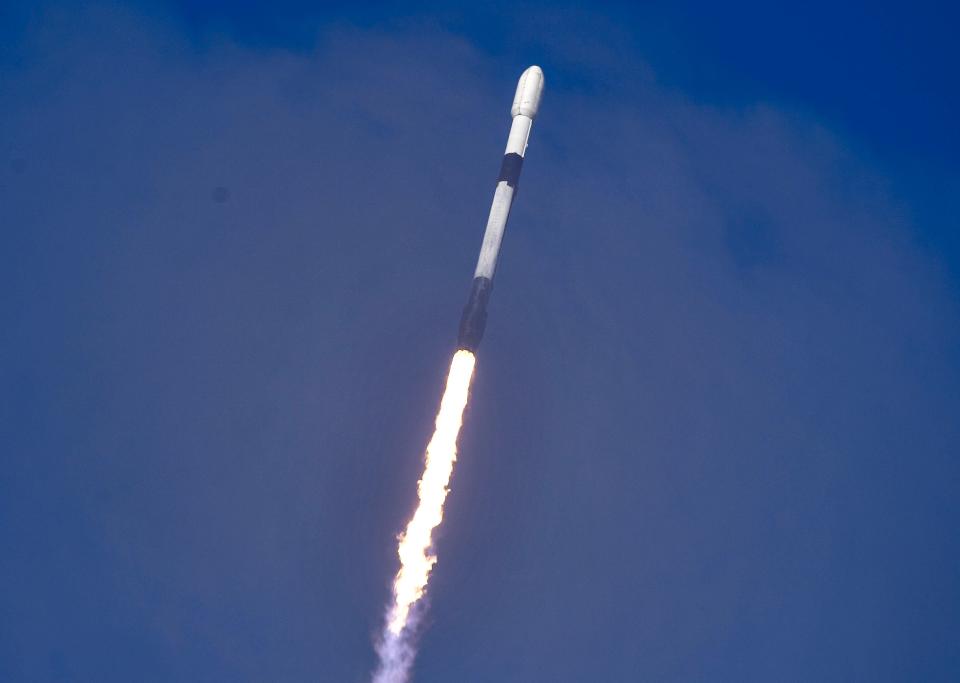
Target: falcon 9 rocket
{"type": "Point", "coordinates": [524, 111]}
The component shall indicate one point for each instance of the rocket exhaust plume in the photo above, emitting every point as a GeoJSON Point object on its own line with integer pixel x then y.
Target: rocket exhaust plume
{"type": "Point", "coordinates": [416, 560]}
{"type": "Point", "coordinates": [395, 646]}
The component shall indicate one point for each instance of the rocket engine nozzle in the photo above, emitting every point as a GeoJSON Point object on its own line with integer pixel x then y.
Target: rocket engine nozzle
{"type": "Point", "coordinates": [474, 318]}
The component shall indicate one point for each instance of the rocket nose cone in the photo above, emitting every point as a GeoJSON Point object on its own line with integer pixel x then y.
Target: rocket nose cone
{"type": "Point", "coordinates": [529, 92]}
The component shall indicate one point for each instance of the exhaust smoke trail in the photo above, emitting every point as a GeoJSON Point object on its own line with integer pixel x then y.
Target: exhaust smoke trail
{"type": "Point", "coordinates": [395, 647]}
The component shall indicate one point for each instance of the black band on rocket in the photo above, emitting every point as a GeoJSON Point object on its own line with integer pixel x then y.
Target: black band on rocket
{"type": "Point", "coordinates": [474, 318]}
{"type": "Point", "coordinates": [510, 169]}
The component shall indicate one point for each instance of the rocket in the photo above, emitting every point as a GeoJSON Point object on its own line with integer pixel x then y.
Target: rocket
{"type": "Point", "coordinates": [524, 111]}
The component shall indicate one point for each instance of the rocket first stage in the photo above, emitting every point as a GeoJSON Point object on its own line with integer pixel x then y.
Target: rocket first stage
{"type": "Point", "coordinates": [524, 111]}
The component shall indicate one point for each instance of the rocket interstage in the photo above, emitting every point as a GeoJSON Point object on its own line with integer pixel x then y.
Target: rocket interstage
{"type": "Point", "coordinates": [526, 102]}
{"type": "Point", "coordinates": [395, 645]}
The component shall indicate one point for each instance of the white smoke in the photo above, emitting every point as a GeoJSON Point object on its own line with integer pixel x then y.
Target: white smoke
{"type": "Point", "coordinates": [396, 657]}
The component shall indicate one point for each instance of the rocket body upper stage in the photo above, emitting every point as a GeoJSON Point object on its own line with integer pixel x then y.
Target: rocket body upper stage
{"type": "Point", "coordinates": [526, 102]}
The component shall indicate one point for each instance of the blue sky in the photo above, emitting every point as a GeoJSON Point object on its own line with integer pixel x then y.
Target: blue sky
{"type": "Point", "coordinates": [877, 73]}
{"type": "Point", "coordinates": [713, 431]}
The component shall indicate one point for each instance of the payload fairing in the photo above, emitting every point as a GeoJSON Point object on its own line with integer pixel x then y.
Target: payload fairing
{"type": "Point", "coordinates": [524, 111]}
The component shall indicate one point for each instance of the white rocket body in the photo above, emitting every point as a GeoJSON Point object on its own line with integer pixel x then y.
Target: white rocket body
{"type": "Point", "coordinates": [524, 111]}
{"type": "Point", "coordinates": [526, 102]}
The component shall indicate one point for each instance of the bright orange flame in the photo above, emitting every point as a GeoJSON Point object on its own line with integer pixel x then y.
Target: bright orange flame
{"type": "Point", "coordinates": [416, 561]}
